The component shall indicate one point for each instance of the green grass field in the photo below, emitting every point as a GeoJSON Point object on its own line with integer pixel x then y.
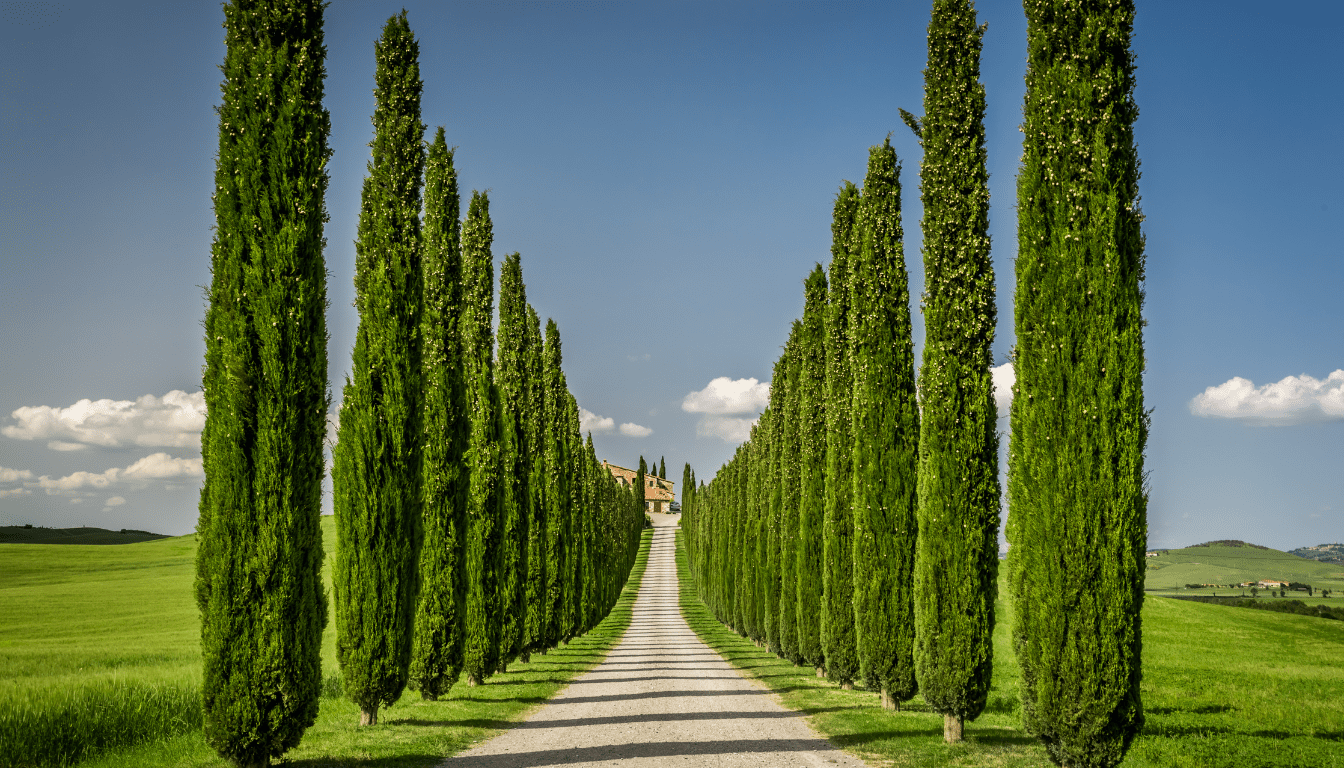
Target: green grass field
{"type": "Point", "coordinates": [1223, 564]}
{"type": "Point", "coordinates": [1223, 688]}
{"type": "Point", "coordinates": [100, 667]}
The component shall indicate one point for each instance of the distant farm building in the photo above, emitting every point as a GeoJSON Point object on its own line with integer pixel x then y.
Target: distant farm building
{"type": "Point", "coordinates": [658, 492]}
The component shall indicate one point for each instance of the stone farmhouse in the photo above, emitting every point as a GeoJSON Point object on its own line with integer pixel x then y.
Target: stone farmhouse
{"type": "Point", "coordinates": [658, 492]}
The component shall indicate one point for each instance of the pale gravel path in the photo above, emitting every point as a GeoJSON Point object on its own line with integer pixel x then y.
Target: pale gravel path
{"type": "Point", "coordinates": [661, 698]}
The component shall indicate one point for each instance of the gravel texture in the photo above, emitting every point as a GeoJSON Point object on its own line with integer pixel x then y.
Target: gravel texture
{"type": "Point", "coordinates": [661, 698]}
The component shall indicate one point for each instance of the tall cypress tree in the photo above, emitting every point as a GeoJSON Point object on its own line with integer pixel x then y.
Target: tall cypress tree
{"type": "Point", "coordinates": [573, 622]}
{"type": "Point", "coordinates": [436, 661]}
{"type": "Point", "coordinates": [885, 424]}
{"type": "Point", "coordinates": [787, 628]}
{"type": "Point", "coordinates": [811, 468]}
{"type": "Point", "coordinates": [376, 478]}
{"type": "Point", "coordinates": [956, 566]}
{"type": "Point", "coordinates": [1077, 501]}
{"type": "Point", "coordinates": [258, 567]}
{"type": "Point", "coordinates": [555, 455]}
{"type": "Point", "coordinates": [515, 455]}
{"type": "Point", "coordinates": [534, 630]}
{"type": "Point", "coordinates": [481, 550]}
{"type": "Point", "coordinates": [837, 600]}
{"type": "Point", "coordinates": [662, 467]}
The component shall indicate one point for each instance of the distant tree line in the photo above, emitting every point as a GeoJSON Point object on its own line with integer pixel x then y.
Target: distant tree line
{"type": "Point", "coordinates": [856, 530]}
{"type": "Point", "coordinates": [475, 525]}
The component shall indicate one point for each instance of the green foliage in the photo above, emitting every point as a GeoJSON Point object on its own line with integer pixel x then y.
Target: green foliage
{"type": "Point", "coordinates": [1077, 521]}
{"type": "Point", "coordinates": [788, 476]}
{"type": "Point", "coordinates": [557, 494]}
{"type": "Point", "coordinates": [957, 558]}
{"type": "Point", "coordinates": [885, 434]}
{"type": "Point", "coordinates": [28, 534]}
{"type": "Point", "coordinates": [265, 380]}
{"type": "Point", "coordinates": [839, 643]}
{"type": "Point", "coordinates": [481, 554]}
{"type": "Point", "coordinates": [516, 453]}
{"type": "Point", "coordinates": [376, 479]}
{"type": "Point", "coordinates": [811, 467]}
{"type": "Point", "coordinates": [436, 660]}
{"type": "Point", "coordinates": [534, 629]}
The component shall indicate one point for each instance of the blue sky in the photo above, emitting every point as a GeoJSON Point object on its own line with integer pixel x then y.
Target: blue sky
{"type": "Point", "coordinates": [667, 171]}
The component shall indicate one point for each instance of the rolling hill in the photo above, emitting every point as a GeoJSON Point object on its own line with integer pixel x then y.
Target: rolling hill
{"type": "Point", "coordinates": [28, 534]}
{"type": "Point", "coordinates": [1234, 562]}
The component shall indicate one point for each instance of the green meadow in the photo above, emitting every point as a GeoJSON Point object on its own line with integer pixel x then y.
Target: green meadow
{"type": "Point", "coordinates": [1223, 687]}
{"type": "Point", "coordinates": [100, 667]}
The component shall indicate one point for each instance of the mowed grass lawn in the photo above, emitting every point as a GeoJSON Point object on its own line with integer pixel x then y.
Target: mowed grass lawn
{"type": "Point", "coordinates": [1223, 687]}
{"type": "Point", "coordinates": [100, 666]}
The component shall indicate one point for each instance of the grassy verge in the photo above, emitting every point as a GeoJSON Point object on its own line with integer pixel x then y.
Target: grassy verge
{"type": "Point", "coordinates": [66, 672]}
{"type": "Point", "coordinates": [1223, 688]}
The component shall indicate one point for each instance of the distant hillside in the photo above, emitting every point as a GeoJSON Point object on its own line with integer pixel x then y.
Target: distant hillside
{"type": "Point", "coordinates": [1327, 553]}
{"type": "Point", "coordinates": [23, 534]}
{"type": "Point", "coordinates": [1235, 562]}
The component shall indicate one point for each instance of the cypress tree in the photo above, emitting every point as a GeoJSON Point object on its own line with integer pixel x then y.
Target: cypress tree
{"type": "Point", "coordinates": [481, 549]}
{"type": "Point", "coordinates": [811, 468]}
{"type": "Point", "coordinates": [662, 467]}
{"type": "Point", "coordinates": [376, 478]}
{"type": "Point", "coordinates": [1077, 500]}
{"type": "Point", "coordinates": [258, 567]}
{"type": "Point", "coordinates": [534, 631]}
{"type": "Point", "coordinates": [956, 565]}
{"type": "Point", "coordinates": [555, 455]}
{"type": "Point", "coordinates": [573, 619]}
{"type": "Point", "coordinates": [837, 600]}
{"type": "Point", "coordinates": [515, 455]}
{"type": "Point", "coordinates": [885, 423]}
{"type": "Point", "coordinates": [788, 510]}
{"type": "Point", "coordinates": [436, 661]}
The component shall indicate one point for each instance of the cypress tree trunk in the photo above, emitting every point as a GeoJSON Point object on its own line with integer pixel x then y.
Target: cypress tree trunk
{"type": "Point", "coordinates": [956, 567]}
{"type": "Point", "coordinates": [481, 550]}
{"type": "Point", "coordinates": [557, 486]}
{"type": "Point", "coordinates": [788, 510]}
{"type": "Point", "coordinates": [436, 661]}
{"type": "Point", "coordinates": [1077, 519]}
{"type": "Point", "coordinates": [258, 567]}
{"type": "Point", "coordinates": [515, 455]}
{"type": "Point", "coordinates": [837, 603]}
{"type": "Point", "coordinates": [377, 474]}
{"type": "Point", "coordinates": [885, 424]}
{"type": "Point", "coordinates": [534, 640]}
{"type": "Point", "coordinates": [812, 468]}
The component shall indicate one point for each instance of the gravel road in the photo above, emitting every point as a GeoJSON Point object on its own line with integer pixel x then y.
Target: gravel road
{"type": "Point", "coordinates": [661, 698]}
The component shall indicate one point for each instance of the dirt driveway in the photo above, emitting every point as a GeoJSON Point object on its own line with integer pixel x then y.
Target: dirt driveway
{"type": "Point", "coordinates": [661, 698]}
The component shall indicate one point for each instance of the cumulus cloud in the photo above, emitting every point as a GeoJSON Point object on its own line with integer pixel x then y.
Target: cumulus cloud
{"type": "Point", "coordinates": [630, 429]}
{"type": "Point", "coordinates": [8, 475]}
{"type": "Point", "coordinates": [1004, 378]}
{"type": "Point", "coordinates": [115, 501]}
{"type": "Point", "coordinates": [591, 422]}
{"type": "Point", "coordinates": [174, 420]}
{"type": "Point", "coordinates": [12, 492]}
{"type": "Point", "coordinates": [156, 466]}
{"type": "Point", "coordinates": [1292, 400]}
{"type": "Point", "coordinates": [724, 395]}
{"type": "Point", "coordinates": [730, 429]}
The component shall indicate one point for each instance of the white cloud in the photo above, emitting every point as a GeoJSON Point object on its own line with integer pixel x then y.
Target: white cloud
{"type": "Point", "coordinates": [115, 501]}
{"type": "Point", "coordinates": [1293, 400]}
{"type": "Point", "coordinates": [8, 475]}
{"type": "Point", "coordinates": [174, 420]}
{"type": "Point", "coordinates": [1004, 378]}
{"type": "Point", "coordinates": [591, 422]}
{"type": "Point", "coordinates": [724, 395]}
{"type": "Point", "coordinates": [730, 429]}
{"type": "Point", "coordinates": [634, 430]}
{"type": "Point", "coordinates": [12, 492]}
{"type": "Point", "coordinates": [156, 466]}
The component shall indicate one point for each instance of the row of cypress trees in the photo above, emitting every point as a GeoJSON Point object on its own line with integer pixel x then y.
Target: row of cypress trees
{"type": "Point", "coordinates": [474, 524]}
{"type": "Point", "coordinates": [889, 498]}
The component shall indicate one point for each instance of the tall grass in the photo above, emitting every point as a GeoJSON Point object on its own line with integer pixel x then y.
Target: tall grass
{"type": "Point", "coordinates": [40, 726]}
